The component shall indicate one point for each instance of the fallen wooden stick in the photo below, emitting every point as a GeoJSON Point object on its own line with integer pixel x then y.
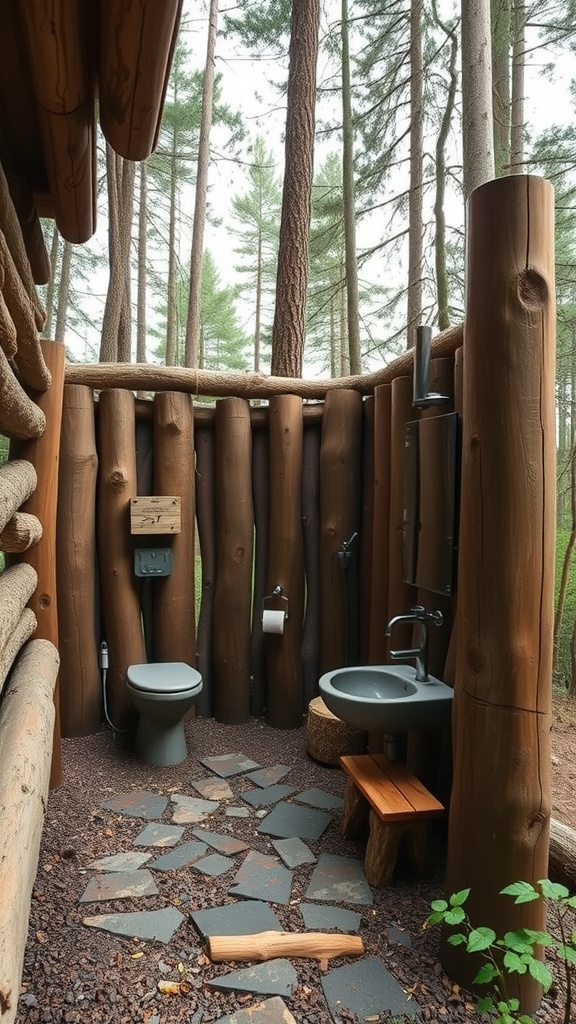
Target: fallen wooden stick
{"type": "Point", "coordinates": [268, 945]}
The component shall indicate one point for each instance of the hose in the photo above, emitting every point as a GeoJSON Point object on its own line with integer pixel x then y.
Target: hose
{"type": "Point", "coordinates": [104, 668]}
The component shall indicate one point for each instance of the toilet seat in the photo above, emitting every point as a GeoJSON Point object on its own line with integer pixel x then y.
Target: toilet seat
{"type": "Point", "coordinates": [163, 677]}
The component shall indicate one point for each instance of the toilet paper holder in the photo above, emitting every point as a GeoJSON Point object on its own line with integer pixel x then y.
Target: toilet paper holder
{"type": "Point", "coordinates": [275, 597]}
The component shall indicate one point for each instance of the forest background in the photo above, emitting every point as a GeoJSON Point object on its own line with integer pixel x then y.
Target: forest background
{"type": "Point", "coordinates": [184, 267]}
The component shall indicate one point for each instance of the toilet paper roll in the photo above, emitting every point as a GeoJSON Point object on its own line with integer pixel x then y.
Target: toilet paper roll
{"type": "Point", "coordinates": [272, 621]}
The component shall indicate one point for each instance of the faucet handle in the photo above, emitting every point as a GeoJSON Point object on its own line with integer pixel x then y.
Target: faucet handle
{"type": "Point", "coordinates": [423, 615]}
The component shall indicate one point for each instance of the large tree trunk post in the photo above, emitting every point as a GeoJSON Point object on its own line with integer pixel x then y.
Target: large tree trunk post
{"type": "Point", "coordinates": [500, 809]}
{"type": "Point", "coordinates": [311, 537]}
{"type": "Point", "coordinates": [381, 526]}
{"type": "Point", "coordinates": [234, 544]}
{"type": "Point", "coordinates": [401, 595]}
{"type": "Point", "coordinates": [173, 595]}
{"type": "Point", "coordinates": [80, 685]}
{"type": "Point", "coordinates": [285, 699]}
{"type": "Point", "coordinates": [261, 505]}
{"type": "Point", "coordinates": [205, 515]}
{"type": "Point", "coordinates": [120, 595]}
{"type": "Point", "coordinates": [366, 531]}
{"type": "Point", "coordinates": [43, 453]}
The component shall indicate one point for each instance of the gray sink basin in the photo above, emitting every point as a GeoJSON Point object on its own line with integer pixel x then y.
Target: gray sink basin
{"type": "Point", "coordinates": [386, 698]}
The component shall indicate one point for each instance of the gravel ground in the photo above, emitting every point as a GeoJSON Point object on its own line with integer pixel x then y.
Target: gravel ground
{"type": "Point", "coordinates": [76, 974]}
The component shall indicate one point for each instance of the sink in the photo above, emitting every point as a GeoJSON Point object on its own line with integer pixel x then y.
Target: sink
{"type": "Point", "coordinates": [386, 698]}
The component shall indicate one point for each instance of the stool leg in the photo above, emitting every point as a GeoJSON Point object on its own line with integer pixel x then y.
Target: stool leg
{"type": "Point", "coordinates": [354, 812]}
{"type": "Point", "coordinates": [382, 850]}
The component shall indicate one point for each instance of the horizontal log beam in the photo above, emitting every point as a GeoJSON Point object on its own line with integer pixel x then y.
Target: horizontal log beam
{"type": "Point", "coordinates": [23, 631]}
{"type": "Point", "coordinates": [17, 483]}
{"type": "Point", "coordinates": [28, 357]}
{"type": "Point", "coordinates": [26, 724]}
{"type": "Point", "coordinates": [20, 533]}
{"type": "Point", "coordinates": [562, 854]}
{"type": "Point", "coordinates": [17, 584]}
{"type": "Point", "coordinates": [147, 377]}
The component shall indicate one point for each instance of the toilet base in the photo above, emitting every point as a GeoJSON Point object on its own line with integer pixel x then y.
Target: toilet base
{"type": "Point", "coordinates": [159, 744]}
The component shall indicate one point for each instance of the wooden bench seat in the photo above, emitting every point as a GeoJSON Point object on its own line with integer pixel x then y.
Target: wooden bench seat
{"type": "Point", "coordinates": [386, 800]}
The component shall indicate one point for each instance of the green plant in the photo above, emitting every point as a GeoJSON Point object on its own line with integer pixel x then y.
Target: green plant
{"type": "Point", "coordinates": [516, 952]}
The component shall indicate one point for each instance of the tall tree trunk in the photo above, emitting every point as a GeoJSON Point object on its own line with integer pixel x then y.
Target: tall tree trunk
{"type": "Point", "coordinates": [500, 25]}
{"type": "Point", "coordinates": [293, 258]}
{"type": "Point", "coordinates": [258, 314]}
{"type": "Point", "coordinates": [477, 120]}
{"type": "Point", "coordinates": [415, 195]}
{"type": "Point", "coordinates": [442, 296]}
{"type": "Point", "coordinates": [115, 341]}
{"type": "Point", "coordinates": [142, 267]}
{"type": "Point", "coordinates": [193, 322]}
{"type": "Point", "coordinates": [51, 289]}
{"type": "Point", "coordinates": [348, 191]}
{"type": "Point", "coordinates": [171, 284]}
{"type": "Point", "coordinates": [63, 292]}
{"type": "Point", "coordinates": [518, 64]}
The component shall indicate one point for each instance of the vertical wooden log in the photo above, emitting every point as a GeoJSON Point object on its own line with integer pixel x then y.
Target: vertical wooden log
{"type": "Point", "coordinates": [43, 453]}
{"type": "Point", "coordinates": [145, 485]}
{"type": "Point", "coordinates": [500, 808]}
{"type": "Point", "coordinates": [234, 542]}
{"type": "Point", "coordinates": [205, 514]}
{"type": "Point", "coordinates": [260, 487]}
{"type": "Point", "coordinates": [285, 697]}
{"type": "Point", "coordinates": [173, 595]}
{"type": "Point", "coordinates": [340, 462]}
{"type": "Point", "coordinates": [366, 531]}
{"type": "Point", "coordinates": [377, 646]}
{"type": "Point", "coordinates": [311, 538]}
{"type": "Point", "coordinates": [401, 596]}
{"type": "Point", "coordinates": [119, 587]}
{"type": "Point", "coordinates": [80, 679]}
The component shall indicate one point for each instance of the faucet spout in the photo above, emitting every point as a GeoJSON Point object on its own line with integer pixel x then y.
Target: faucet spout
{"type": "Point", "coordinates": [417, 615]}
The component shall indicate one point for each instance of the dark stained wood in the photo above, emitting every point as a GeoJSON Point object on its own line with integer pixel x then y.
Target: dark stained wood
{"type": "Point", "coordinates": [119, 589]}
{"type": "Point", "coordinates": [174, 595]}
{"type": "Point", "coordinates": [401, 596]}
{"type": "Point", "coordinates": [377, 647]}
{"type": "Point", "coordinates": [234, 543]}
{"type": "Point", "coordinates": [311, 538]}
{"type": "Point", "coordinates": [205, 515]}
{"type": "Point", "coordinates": [340, 468]}
{"type": "Point", "coordinates": [364, 546]}
{"type": "Point", "coordinates": [500, 806]}
{"type": "Point", "coordinates": [80, 678]}
{"type": "Point", "coordinates": [261, 505]}
{"type": "Point", "coordinates": [284, 695]}
{"type": "Point", "coordinates": [70, 153]}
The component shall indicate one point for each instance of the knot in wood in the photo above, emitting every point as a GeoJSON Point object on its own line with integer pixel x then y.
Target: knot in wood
{"type": "Point", "coordinates": [531, 289]}
{"type": "Point", "coordinates": [117, 478]}
{"type": "Point", "coordinates": [45, 601]}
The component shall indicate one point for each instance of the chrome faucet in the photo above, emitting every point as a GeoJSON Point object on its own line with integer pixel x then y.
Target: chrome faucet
{"type": "Point", "coordinates": [424, 619]}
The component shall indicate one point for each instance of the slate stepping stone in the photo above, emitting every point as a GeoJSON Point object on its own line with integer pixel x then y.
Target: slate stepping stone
{"type": "Point", "coordinates": [269, 795]}
{"type": "Point", "coordinates": [179, 857]}
{"type": "Point", "coordinates": [293, 852]}
{"type": "Point", "coordinates": [213, 789]}
{"type": "Point", "coordinates": [159, 925]}
{"type": "Point", "coordinates": [247, 917]}
{"type": "Point", "coordinates": [236, 812]}
{"type": "Point", "coordinates": [119, 885]}
{"type": "Point", "coordinates": [269, 776]}
{"type": "Point", "coordinates": [274, 978]}
{"type": "Point", "coordinates": [191, 809]}
{"type": "Point", "coordinates": [289, 820]}
{"type": "Point", "coordinates": [320, 798]}
{"type": "Point", "coordinates": [214, 864]}
{"type": "Point", "coordinates": [219, 841]}
{"type": "Point", "coordinates": [271, 1011]}
{"type": "Point", "coordinates": [226, 765]}
{"type": "Point", "coordinates": [367, 989]}
{"type": "Point", "coordinates": [129, 861]}
{"type": "Point", "coordinates": [398, 936]}
{"type": "Point", "coordinates": [159, 834]}
{"type": "Point", "coordinates": [339, 880]}
{"type": "Point", "coordinates": [139, 804]}
{"type": "Point", "coordinates": [330, 918]}
{"type": "Point", "coordinates": [261, 876]}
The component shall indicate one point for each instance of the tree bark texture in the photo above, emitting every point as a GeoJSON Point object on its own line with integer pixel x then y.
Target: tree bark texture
{"type": "Point", "coordinates": [43, 453]}
{"type": "Point", "coordinates": [292, 277]}
{"type": "Point", "coordinates": [20, 417]}
{"type": "Point", "coordinates": [500, 806]}
{"type": "Point", "coordinates": [477, 119]}
{"type": "Point", "coordinates": [10, 225]}
{"type": "Point", "coordinates": [120, 599]}
{"type": "Point", "coordinates": [26, 735]}
{"type": "Point", "coordinates": [20, 533]}
{"type": "Point", "coordinates": [80, 682]}
{"type": "Point", "coordinates": [340, 467]}
{"type": "Point", "coordinates": [366, 532]}
{"type": "Point", "coordinates": [205, 516]}
{"type": "Point", "coordinates": [28, 356]}
{"type": "Point", "coordinates": [261, 505]}
{"type": "Point", "coordinates": [416, 190]}
{"type": "Point", "coordinates": [401, 595]}
{"type": "Point", "coordinates": [285, 698]}
{"type": "Point", "coordinates": [174, 595]}
{"type": "Point", "coordinates": [234, 542]}
{"type": "Point", "coordinates": [17, 584]}
{"type": "Point", "coordinates": [262, 946]}
{"type": "Point", "coordinates": [349, 201]}
{"type": "Point", "coordinates": [311, 538]}
{"type": "Point", "coordinates": [18, 481]}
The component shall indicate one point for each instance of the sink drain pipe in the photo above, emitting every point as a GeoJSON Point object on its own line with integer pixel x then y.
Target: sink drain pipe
{"type": "Point", "coordinates": [344, 557]}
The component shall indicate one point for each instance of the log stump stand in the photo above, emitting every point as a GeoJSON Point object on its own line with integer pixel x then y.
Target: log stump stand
{"type": "Point", "coordinates": [328, 737]}
{"type": "Point", "coordinates": [384, 798]}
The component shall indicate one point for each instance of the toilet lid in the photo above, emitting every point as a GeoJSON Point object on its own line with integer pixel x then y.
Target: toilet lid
{"type": "Point", "coordinates": [164, 677]}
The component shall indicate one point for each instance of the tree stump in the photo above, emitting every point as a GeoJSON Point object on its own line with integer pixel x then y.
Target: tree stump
{"type": "Point", "coordinates": [327, 737]}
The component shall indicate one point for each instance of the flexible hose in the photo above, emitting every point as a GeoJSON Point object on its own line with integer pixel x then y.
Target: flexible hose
{"type": "Point", "coordinates": [104, 667]}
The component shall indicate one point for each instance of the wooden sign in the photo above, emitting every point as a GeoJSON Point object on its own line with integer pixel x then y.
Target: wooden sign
{"type": "Point", "coordinates": [155, 514]}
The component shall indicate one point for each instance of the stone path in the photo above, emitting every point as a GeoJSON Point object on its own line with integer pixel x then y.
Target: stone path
{"type": "Point", "coordinates": [364, 987]}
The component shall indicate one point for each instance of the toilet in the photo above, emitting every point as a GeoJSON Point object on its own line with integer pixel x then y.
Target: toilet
{"type": "Point", "coordinates": [162, 693]}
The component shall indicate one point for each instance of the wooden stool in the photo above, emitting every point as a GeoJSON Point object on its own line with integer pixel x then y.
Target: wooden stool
{"type": "Point", "coordinates": [387, 799]}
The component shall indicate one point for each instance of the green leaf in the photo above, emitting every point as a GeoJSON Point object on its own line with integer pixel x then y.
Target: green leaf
{"type": "Point", "coordinates": [439, 905]}
{"type": "Point", "coordinates": [435, 917]}
{"type": "Point", "coordinates": [518, 941]}
{"type": "Point", "coordinates": [486, 973]}
{"type": "Point", "coordinates": [553, 890]}
{"type": "Point", "coordinates": [567, 953]}
{"type": "Point", "coordinates": [571, 902]}
{"type": "Point", "coordinates": [513, 1004]}
{"type": "Point", "coordinates": [485, 1005]}
{"type": "Point", "coordinates": [514, 963]}
{"type": "Point", "coordinates": [456, 940]}
{"type": "Point", "coordinates": [458, 898]}
{"type": "Point", "coordinates": [479, 939]}
{"type": "Point", "coordinates": [540, 973]}
{"type": "Point", "coordinates": [455, 916]}
{"type": "Point", "coordinates": [523, 890]}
